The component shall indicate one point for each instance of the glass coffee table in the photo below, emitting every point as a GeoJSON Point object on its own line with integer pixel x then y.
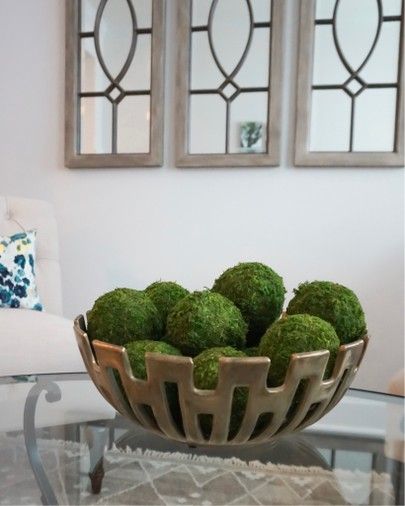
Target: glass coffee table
{"type": "Point", "coordinates": [62, 443]}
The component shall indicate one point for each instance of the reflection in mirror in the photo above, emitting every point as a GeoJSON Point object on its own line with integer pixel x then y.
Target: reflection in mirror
{"type": "Point", "coordinates": [330, 121]}
{"type": "Point", "coordinates": [143, 9]}
{"type": "Point", "coordinates": [378, 138]}
{"type": "Point", "coordinates": [261, 10]}
{"type": "Point", "coordinates": [138, 75]}
{"type": "Point", "coordinates": [248, 136]}
{"type": "Point", "coordinates": [133, 124]}
{"type": "Point", "coordinates": [324, 9]}
{"type": "Point", "coordinates": [228, 78]}
{"type": "Point", "coordinates": [355, 76]}
{"type": "Point", "coordinates": [110, 79]}
{"type": "Point", "coordinates": [207, 124]}
{"type": "Point", "coordinates": [93, 77]}
{"type": "Point", "coordinates": [95, 113]}
{"type": "Point", "coordinates": [114, 34]}
{"type": "Point", "coordinates": [200, 12]}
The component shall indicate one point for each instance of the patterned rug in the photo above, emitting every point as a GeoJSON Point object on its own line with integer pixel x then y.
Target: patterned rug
{"type": "Point", "coordinates": [154, 478]}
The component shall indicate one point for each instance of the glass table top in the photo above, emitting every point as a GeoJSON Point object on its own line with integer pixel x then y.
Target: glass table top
{"type": "Point", "coordinates": [62, 443]}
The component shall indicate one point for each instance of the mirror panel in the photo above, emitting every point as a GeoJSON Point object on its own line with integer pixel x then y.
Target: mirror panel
{"type": "Point", "coordinates": [261, 10]}
{"type": "Point", "coordinates": [255, 70]}
{"type": "Point", "coordinates": [227, 87]}
{"type": "Point", "coordinates": [383, 63]}
{"type": "Point", "coordinates": [115, 35]}
{"type": "Point", "coordinates": [139, 72]}
{"type": "Point", "coordinates": [392, 7]}
{"type": "Point", "coordinates": [227, 43]}
{"type": "Point", "coordinates": [207, 125]}
{"type": "Point", "coordinates": [204, 74]}
{"type": "Point", "coordinates": [382, 136]}
{"type": "Point", "coordinates": [92, 75]}
{"type": "Point", "coordinates": [200, 11]}
{"type": "Point", "coordinates": [350, 96]}
{"type": "Point", "coordinates": [328, 68]}
{"type": "Point", "coordinates": [356, 25]}
{"type": "Point", "coordinates": [324, 9]}
{"type": "Point", "coordinates": [330, 121]}
{"type": "Point", "coordinates": [249, 123]}
{"type": "Point", "coordinates": [96, 134]}
{"type": "Point", "coordinates": [116, 80]}
{"type": "Point", "coordinates": [133, 124]}
{"type": "Point", "coordinates": [88, 10]}
{"type": "Point", "coordinates": [143, 9]}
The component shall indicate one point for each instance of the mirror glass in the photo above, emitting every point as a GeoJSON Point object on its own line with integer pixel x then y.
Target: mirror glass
{"type": "Point", "coordinates": [324, 9]}
{"type": "Point", "coordinates": [115, 35]}
{"type": "Point", "coordinates": [115, 71]}
{"type": "Point", "coordinates": [88, 15]}
{"type": "Point", "coordinates": [355, 77]}
{"type": "Point", "coordinates": [138, 75]}
{"type": "Point", "coordinates": [95, 128]}
{"type": "Point", "coordinates": [133, 124]}
{"type": "Point", "coordinates": [143, 10]}
{"type": "Point", "coordinates": [228, 44]}
{"type": "Point", "coordinates": [207, 124]}
{"type": "Point", "coordinates": [92, 75]}
{"type": "Point", "coordinates": [261, 10]}
{"type": "Point", "coordinates": [392, 7]}
{"type": "Point", "coordinates": [229, 76]}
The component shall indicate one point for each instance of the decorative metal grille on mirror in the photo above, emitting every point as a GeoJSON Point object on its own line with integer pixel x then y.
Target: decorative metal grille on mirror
{"type": "Point", "coordinates": [115, 88]}
{"type": "Point", "coordinates": [229, 79]}
{"type": "Point", "coordinates": [350, 99]}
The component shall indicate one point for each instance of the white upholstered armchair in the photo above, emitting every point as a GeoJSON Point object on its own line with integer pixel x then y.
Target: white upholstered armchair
{"type": "Point", "coordinates": [35, 341]}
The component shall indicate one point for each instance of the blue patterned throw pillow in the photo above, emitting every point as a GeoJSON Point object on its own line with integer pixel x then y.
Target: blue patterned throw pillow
{"type": "Point", "coordinates": [17, 271]}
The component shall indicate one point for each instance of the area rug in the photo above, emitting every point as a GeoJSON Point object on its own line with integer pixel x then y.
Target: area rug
{"type": "Point", "coordinates": [154, 478]}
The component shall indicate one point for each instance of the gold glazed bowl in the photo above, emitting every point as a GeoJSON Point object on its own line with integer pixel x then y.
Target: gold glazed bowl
{"type": "Point", "coordinates": [270, 412]}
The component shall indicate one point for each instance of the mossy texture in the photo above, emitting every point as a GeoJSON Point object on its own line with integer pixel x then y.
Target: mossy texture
{"type": "Point", "coordinates": [252, 351]}
{"type": "Point", "coordinates": [136, 354]}
{"type": "Point", "coordinates": [334, 303]}
{"type": "Point", "coordinates": [165, 295]}
{"type": "Point", "coordinates": [206, 370]}
{"type": "Point", "coordinates": [257, 291]}
{"type": "Point", "coordinates": [203, 320]}
{"type": "Point", "coordinates": [296, 334]}
{"type": "Point", "coordinates": [123, 315]}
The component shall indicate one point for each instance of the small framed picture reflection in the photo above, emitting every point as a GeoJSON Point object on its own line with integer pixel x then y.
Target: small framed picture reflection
{"type": "Point", "coordinates": [252, 137]}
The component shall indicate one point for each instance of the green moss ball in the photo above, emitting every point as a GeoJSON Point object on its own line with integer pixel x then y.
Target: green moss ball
{"type": "Point", "coordinates": [253, 351]}
{"type": "Point", "coordinates": [203, 320]}
{"type": "Point", "coordinates": [297, 334]}
{"type": "Point", "coordinates": [206, 369]}
{"type": "Point", "coordinates": [165, 295]}
{"type": "Point", "coordinates": [136, 354]}
{"type": "Point", "coordinates": [123, 315]}
{"type": "Point", "coordinates": [257, 291]}
{"type": "Point", "coordinates": [334, 303]}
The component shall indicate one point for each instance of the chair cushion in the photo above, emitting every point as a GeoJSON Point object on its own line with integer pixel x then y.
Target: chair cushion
{"type": "Point", "coordinates": [17, 214]}
{"type": "Point", "coordinates": [34, 342]}
{"type": "Point", "coordinates": [18, 286]}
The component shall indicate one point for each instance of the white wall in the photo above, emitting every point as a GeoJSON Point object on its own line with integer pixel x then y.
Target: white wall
{"type": "Point", "coordinates": [132, 226]}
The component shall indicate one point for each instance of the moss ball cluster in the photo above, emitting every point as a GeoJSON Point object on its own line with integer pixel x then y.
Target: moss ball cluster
{"type": "Point", "coordinates": [123, 315]}
{"type": "Point", "coordinates": [257, 291]}
{"type": "Point", "coordinates": [204, 320]}
{"type": "Point", "coordinates": [165, 295]}
{"type": "Point", "coordinates": [136, 354]}
{"type": "Point", "coordinates": [239, 317]}
{"type": "Point", "coordinates": [296, 334]}
{"type": "Point", "coordinates": [333, 303]}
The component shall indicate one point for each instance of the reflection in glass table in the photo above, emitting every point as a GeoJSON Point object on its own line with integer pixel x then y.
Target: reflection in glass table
{"type": "Point", "coordinates": [61, 443]}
